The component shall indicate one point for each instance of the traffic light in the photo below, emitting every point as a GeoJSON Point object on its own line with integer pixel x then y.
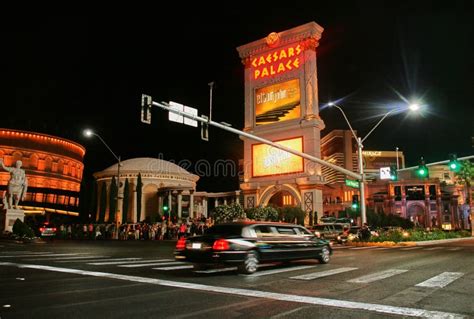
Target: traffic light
{"type": "Point", "coordinates": [165, 208]}
{"type": "Point", "coordinates": [355, 201]}
{"type": "Point", "coordinates": [204, 129]}
{"type": "Point", "coordinates": [454, 164]}
{"type": "Point", "coordinates": [393, 173]}
{"type": "Point", "coordinates": [146, 109]}
{"type": "Point", "coordinates": [422, 170]}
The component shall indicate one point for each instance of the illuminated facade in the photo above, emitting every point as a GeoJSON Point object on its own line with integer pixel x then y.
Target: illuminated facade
{"type": "Point", "coordinates": [434, 201]}
{"type": "Point", "coordinates": [53, 166]}
{"type": "Point", "coordinates": [281, 105]}
{"type": "Point", "coordinates": [163, 184]}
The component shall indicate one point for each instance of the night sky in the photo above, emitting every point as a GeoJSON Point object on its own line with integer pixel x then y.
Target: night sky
{"type": "Point", "coordinates": [63, 73]}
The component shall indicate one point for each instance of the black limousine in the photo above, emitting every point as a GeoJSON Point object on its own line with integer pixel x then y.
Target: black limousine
{"type": "Point", "coordinates": [248, 243]}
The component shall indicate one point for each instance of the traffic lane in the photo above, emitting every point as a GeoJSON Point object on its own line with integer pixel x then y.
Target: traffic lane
{"type": "Point", "coordinates": [45, 294]}
{"type": "Point", "coordinates": [252, 293]}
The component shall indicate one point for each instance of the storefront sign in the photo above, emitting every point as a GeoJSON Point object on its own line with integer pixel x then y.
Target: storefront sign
{"type": "Point", "coordinates": [277, 62]}
{"type": "Point", "coordinates": [267, 160]}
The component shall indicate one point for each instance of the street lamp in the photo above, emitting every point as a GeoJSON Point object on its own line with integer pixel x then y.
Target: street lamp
{"type": "Point", "coordinates": [89, 133]}
{"type": "Point", "coordinates": [360, 146]}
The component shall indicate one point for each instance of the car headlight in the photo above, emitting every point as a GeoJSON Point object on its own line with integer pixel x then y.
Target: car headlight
{"type": "Point", "coordinates": [318, 234]}
{"type": "Point", "coordinates": [338, 237]}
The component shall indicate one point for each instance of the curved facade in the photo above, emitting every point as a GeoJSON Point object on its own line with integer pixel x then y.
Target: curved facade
{"type": "Point", "coordinates": [163, 182]}
{"type": "Point", "coordinates": [53, 165]}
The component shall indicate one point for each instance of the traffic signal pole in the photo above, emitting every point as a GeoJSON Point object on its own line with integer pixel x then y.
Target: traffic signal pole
{"type": "Point", "coordinates": [436, 163]}
{"type": "Point", "coordinates": [165, 106]}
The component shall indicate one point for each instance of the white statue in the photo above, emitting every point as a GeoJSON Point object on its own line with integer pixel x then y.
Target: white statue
{"type": "Point", "coordinates": [17, 185]}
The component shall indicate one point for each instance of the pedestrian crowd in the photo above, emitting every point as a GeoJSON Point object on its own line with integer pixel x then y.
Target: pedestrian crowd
{"type": "Point", "coordinates": [164, 230]}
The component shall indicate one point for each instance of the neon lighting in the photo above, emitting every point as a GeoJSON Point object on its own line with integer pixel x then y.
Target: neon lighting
{"type": "Point", "coordinates": [277, 62]}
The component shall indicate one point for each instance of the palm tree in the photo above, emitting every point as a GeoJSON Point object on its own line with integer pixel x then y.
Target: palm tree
{"type": "Point", "coordinates": [125, 201]}
{"type": "Point", "coordinates": [464, 177]}
{"type": "Point", "coordinates": [139, 196]}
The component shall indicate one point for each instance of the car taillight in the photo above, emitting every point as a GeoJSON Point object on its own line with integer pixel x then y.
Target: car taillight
{"type": "Point", "coordinates": [221, 244]}
{"type": "Point", "coordinates": [181, 244]}
{"type": "Point", "coordinates": [41, 229]}
{"type": "Point", "coordinates": [54, 228]}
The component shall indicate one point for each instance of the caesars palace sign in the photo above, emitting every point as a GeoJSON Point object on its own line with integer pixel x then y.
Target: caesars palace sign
{"type": "Point", "coordinates": [277, 62]}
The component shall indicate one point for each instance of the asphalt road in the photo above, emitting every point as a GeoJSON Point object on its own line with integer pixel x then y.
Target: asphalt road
{"type": "Point", "coordinates": [110, 279]}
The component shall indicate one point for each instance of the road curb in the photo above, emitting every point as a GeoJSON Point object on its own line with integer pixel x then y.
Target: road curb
{"type": "Point", "coordinates": [441, 241]}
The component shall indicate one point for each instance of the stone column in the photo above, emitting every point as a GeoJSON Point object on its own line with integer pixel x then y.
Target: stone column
{"type": "Point", "coordinates": [180, 202]}
{"type": "Point", "coordinates": [191, 204]}
{"type": "Point", "coordinates": [160, 203]}
{"type": "Point", "coordinates": [216, 202]}
{"type": "Point", "coordinates": [225, 201]}
{"type": "Point", "coordinates": [169, 202]}
{"type": "Point", "coordinates": [237, 195]}
{"type": "Point", "coordinates": [204, 207]}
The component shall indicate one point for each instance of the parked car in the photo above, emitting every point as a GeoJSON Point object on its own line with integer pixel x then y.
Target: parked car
{"type": "Point", "coordinates": [331, 231]}
{"type": "Point", "coordinates": [47, 230]}
{"type": "Point", "coordinates": [248, 243]}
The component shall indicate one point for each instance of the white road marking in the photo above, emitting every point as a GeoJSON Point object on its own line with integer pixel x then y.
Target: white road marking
{"type": "Point", "coordinates": [455, 248]}
{"type": "Point", "coordinates": [119, 262]}
{"type": "Point", "coordinates": [37, 255]}
{"type": "Point", "coordinates": [276, 271]}
{"type": "Point", "coordinates": [175, 267]}
{"type": "Point", "coordinates": [411, 248]}
{"type": "Point", "coordinates": [101, 259]}
{"type": "Point", "coordinates": [64, 258]}
{"type": "Point", "coordinates": [156, 263]}
{"type": "Point", "coordinates": [435, 248]}
{"type": "Point", "coordinates": [211, 271]}
{"type": "Point", "coordinates": [403, 311]}
{"type": "Point", "coordinates": [378, 276]}
{"type": "Point", "coordinates": [442, 280]}
{"type": "Point", "coordinates": [321, 274]}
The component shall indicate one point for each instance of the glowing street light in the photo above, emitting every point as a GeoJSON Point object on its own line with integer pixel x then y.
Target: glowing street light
{"type": "Point", "coordinates": [90, 133]}
{"type": "Point", "coordinates": [360, 146]}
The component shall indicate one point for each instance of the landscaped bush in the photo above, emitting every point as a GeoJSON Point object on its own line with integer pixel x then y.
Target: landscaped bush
{"type": "Point", "coordinates": [22, 230]}
{"type": "Point", "coordinates": [417, 235]}
{"type": "Point", "coordinates": [291, 214]}
{"type": "Point", "coordinates": [263, 213]}
{"type": "Point", "coordinates": [227, 213]}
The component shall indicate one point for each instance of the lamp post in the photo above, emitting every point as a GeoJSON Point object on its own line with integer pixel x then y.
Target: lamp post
{"type": "Point", "coordinates": [89, 133]}
{"type": "Point", "coordinates": [360, 146]}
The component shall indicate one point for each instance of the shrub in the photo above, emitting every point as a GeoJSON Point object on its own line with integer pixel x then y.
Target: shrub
{"type": "Point", "coordinates": [263, 213]}
{"type": "Point", "coordinates": [225, 213]}
{"type": "Point", "coordinates": [291, 214]}
{"type": "Point", "coordinates": [22, 230]}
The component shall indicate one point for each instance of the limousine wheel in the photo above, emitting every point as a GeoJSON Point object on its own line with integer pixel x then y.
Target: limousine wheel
{"type": "Point", "coordinates": [324, 255]}
{"type": "Point", "coordinates": [250, 264]}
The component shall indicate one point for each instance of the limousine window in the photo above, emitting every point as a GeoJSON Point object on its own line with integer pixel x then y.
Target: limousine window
{"type": "Point", "coordinates": [264, 230]}
{"type": "Point", "coordinates": [286, 231]}
{"type": "Point", "coordinates": [235, 230]}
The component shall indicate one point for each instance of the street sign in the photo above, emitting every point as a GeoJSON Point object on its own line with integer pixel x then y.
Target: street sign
{"type": "Point", "coordinates": [352, 183]}
{"type": "Point", "coordinates": [146, 109]}
{"type": "Point", "coordinates": [174, 117]}
{"type": "Point", "coordinates": [385, 173]}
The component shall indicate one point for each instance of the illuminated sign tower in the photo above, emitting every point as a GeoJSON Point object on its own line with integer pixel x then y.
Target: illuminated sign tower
{"type": "Point", "coordinates": [281, 104]}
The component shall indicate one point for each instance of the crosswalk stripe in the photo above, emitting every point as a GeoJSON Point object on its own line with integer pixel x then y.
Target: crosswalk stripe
{"type": "Point", "coordinates": [117, 262]}
{"type": "Point", "coordinates": [411, 248]}
{"type": "Point", "coordinates": [37, 255]}
{"type": "Point", "coordinates": [435, 248]}
{"type": "Point", "coordinates": [175, 267]}
{"type": "Point", "coordinates": [100, 259]}
{"type": "Point", "coordinates": [340, 247]}
{"type": "Point", "coordinates": [442, 280]}
{"type": "Point", "coordinates": [211, 271]}
{"type": "Point", "coordinates": [152, 264]}
{"type": "Point", "coordinates": [455, 248]}
{"type": "Point", "coordinates": [378, 276]}
{"type": "Point", "coordinates": [63, 258]}
{"type": "Point", "coordinates": [26, 252]}
{"type": "Point", "coordinates": [321, 274]}
{"type": "Point", "coordinates": [276, 271]}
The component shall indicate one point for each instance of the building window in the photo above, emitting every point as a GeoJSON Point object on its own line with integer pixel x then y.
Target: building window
{"type": "Point", "coordinates": [398, 193]}
{"type": "Point", "coordinates": [433, 207]}
{"type": "Point", "coordinates": [432, 190]}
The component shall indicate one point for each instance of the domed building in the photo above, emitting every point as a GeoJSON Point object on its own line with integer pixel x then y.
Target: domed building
{"type": "Point", "coordinates": [163, 184]}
